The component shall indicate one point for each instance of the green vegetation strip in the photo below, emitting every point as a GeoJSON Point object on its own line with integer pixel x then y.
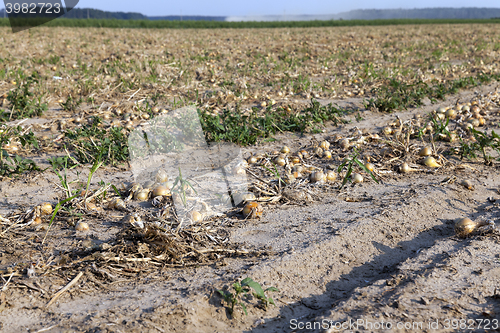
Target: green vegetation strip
{"type": "Point", "coordinates": [397, 95]}
{"type": "Point", "coordinates": [106, 23]}
{"type": "Point", "coordinates": [245, 129]}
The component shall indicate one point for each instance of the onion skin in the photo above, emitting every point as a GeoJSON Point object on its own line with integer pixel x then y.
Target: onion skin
{"type": "Point", "coordinates": [426, 151]}
{"type": "Point", "coordinates": [196, 216]}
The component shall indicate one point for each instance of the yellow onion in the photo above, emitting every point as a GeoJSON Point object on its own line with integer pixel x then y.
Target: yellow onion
{"type": "Point", "coordinates": [327, 155]}
{"type": "Point", "coordinates": [317, 177]}
{"type": "Point", "coordinates": [404, 168]}
{"type": "Point", "coordinates": [82, 226]}
{"type": "Point", "coordinates": [356, 178]}
{"type": "Point", "coordinates": [252, 160]}
{"type": "Point", "coordinates": [280, 161]}
{"type": "Point", "coordinates": [431, 162]}
{"type": "Point", "coordinates": [195, 216]}
{"type": "Point", "coordinates": [318, 151]}
{"type": "Point", "coordinates": [331, 176]}
{"type": "Point", "coordinates": [466, 227]}
{"type": "Point", "coordinates": [252, 210]}
{"type": "Point", "coordinates": [161, 176]}
{"type": "Point", "coordinates": [344, 144]}
{"type": "Point", "coordinates": [285, 150]}
{"type": "Point", "coordinates": [370, 166]}
{"type": "Point", "coordinates": [46, 208]}
{"type": "Point", "coordinates": [141, 195]}
{"type": "Point", "coordinates": [160, 190]}
{"type": "Point", "coordinates": [467, 184]}
{"type": "Point", "coordinates": [324, 145]}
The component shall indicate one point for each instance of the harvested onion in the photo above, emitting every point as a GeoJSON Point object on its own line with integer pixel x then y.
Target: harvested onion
{"type": "Point", "coordinates": [160, 191]}
{"type": "Point", "coordinates": [404, 168]}
{"type": "Point", "coordinates": [431, 162]}
{"type": "Point", "coordinates": [466, 227]}
{"type": "Point", "coordinates": [141, 195]}
{"type": "Point", "coordinates": [357, 178]}
{"type": "Point", "coordinates": [252, 210]}
{"type": "Point", "coordinates": [324, 145]}
{"type": "Point", "coordinates": [331, 176]}
{"type": "Point", "coordinates": [426, 151]}
{"type": "Point", "coordinates": [46, 208]}
{"type": "Point", "coordinates": [82, 226]}
{"type": "Point", "coordinates": [317, 177]}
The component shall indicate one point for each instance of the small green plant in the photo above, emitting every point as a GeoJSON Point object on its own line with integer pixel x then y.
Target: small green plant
{"type": "Point", "coordinates": [10, 165]}
{"type": "Point", "coordinates": [350, 163]}
{"type": "Point", "coordinates": [71, 104]}
{"type": "Point", "coordinates": [244, 288]}
{"type": "Point", "coordinates": [70, 195]}
{"type": "Point", "coordinates": [90, 141]}
{"type": "Point", "coordinates": [483, 141]}
{"type": "Point", "coordinates": [22, 102]}
{"type": "Point", "coordinates": [180, 186]}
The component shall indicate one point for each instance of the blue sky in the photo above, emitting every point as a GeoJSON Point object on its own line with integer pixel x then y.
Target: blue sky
{"type": "Point", "coordinates": [268, 7]}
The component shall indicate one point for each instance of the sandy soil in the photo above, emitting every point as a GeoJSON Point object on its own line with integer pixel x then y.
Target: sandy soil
{"type": "Point", "coordinates": [369, 254]}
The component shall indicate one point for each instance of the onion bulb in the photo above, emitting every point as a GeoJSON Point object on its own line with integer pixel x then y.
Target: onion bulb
{"type": "Point", "coordinates": [370, 166]}
{"type": "Point", "coordinates": [324, 145]}
{"type": "Point", "coordinates": [82, 226]}
{"type": "Point", "coordinates": [426, 151]}
{"type": "Point", "coordinates": [466, 227]}
{"type": "Point", "coordinates": [404, 168]}
{"type": "Point", "coordinates": [252, 160]}
{"type": "Point", "coordinates": [467, 184]}
{"type": "Point", "coordinates": [195, 216]}
{"type": "Point", "coordinates": [252, 210]}
{"type": "Point", "coordinates": [331, 176]}
{"type": "Point", "coordinates": [317, 177]}
{"type": "Point", "coordinates": [285, 150]}
{"type": "Point", "coordinates": [357, 178]}
{"type": "Point", "coordinates": [141, 195]}
{"type": "Point", "coordinates": [161, 176]}
{"type": "Point", "coordinates": [280, 161]}
{"type": "Point", "coordinates": [160, 191]}
{"type": "Point", "coordinates": [431, 162]}
{"type": "Point", "coordinates": [318, 151]}
{"type": "Point", "coordinates": [46, 208]}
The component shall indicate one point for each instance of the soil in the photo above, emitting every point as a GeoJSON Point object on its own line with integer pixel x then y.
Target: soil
{"type": "Point", "coordinates": [367, 254]}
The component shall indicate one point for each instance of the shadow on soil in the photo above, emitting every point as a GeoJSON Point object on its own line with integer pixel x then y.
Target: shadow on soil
{"type": "Point", "coordinates": [383, 266]}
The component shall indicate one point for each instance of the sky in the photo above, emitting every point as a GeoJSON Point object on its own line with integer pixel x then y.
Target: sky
{"type": "Point", "coordinates": [268, 7]}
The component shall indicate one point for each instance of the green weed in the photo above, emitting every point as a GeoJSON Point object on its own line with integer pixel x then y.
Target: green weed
{"type": "Point", "coordinates": [350, 163]}
{"type": "Point", "coordinates": [483, 141]}
{"type": "Point", "coordinates": [244, 288]}
{"type": "Point", "coordinates": [23, 104]}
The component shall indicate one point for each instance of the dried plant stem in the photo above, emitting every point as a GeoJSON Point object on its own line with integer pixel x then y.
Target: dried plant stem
{"type": "Point", "coordinates": [66, 288]}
